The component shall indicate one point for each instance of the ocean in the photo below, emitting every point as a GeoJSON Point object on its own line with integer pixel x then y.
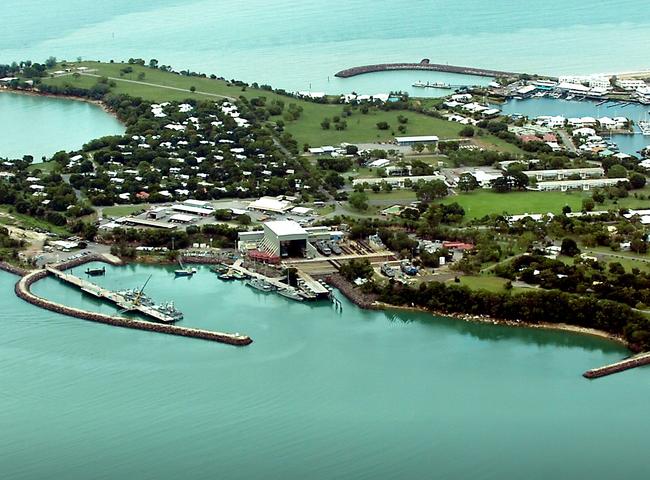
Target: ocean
{"type": "Point", "coordinates": [319, 394]}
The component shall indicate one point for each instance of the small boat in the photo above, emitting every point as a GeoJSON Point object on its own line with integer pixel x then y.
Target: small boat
{"type": "Point", "coordinates": [644, 126]}
{"type": "Point", "coordinates": [291, 293]}
{"type": "Point", "coordinates": [226, 276]}
{"type": "Point", "coordinates": [96, 272]}
{"type": "Point", "coordinates": [184, 272]}
{"type": "Point", "coordinates": [239, 276]}
{"type": "Point", "coordinates": [219, 268]}
{"type": "Point", "coordinates": [260, 284]}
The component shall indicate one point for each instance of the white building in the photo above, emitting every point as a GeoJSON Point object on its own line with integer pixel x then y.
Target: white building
{"type": "Point", "coordinates": [630, 84]}
{"type": "Point", "coordinates": [562, 174]}
{"type": "Point", "coordinates": [587, 184]}
{"type": "Point", "coordinates": [271, 204]}
{"type": "Point", "coordinates": [284, 239]}
{"type": "Point", "coordinates": [424, 139]}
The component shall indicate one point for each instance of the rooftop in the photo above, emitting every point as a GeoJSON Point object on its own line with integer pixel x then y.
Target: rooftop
{"type": "Point", "coordinates": [285, 227]}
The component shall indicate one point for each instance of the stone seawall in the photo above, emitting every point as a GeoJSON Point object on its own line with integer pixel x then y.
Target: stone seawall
{"type": "Point", "coordinates": [23, 291]}
{"type": "Point", "coordinates": [424, 65]}
{"type": "Point", "coordinates": [7, 267]}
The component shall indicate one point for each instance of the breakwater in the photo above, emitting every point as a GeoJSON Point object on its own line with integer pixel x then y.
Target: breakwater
{"type": "Point", "coordinates": [423, 65]}
{"type": "Point", "coordinates": [22, 290]}
{"type": "Point", "coordinates": [7, 267]}
{"type": "Point", "coordinates": [627, 364]}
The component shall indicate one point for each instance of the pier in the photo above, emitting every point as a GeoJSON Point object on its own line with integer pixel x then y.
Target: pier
{"type": "Point", "coordinates": [113, 297]}
{"type": "Point", "coordinates": [426, 66]}
{"type": "Point", "coordinates": [626, 364]}
{"type": "Point", "coordinates": [22, 290]}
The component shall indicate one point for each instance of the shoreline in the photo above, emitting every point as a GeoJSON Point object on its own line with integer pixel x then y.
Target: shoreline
{"type": "Point", "coordinates": [38, 93]}
{"type": "Point", "coordinates": [484, 319]}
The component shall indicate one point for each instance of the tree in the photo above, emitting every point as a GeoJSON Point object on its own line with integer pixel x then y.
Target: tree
{"type": "Point", "coordinates": [617, 171]}
{"type": "Point", "coordinates": [192, 89]}
{"type": "Point", "coordinates": [50, 62]}
{"type": "Point", "coordinates": [567, 209]}
{"type": "Point", "coordinates": [637, 180]}
{"type": "Point", "coordinates": [467, 182]}
{"type": "Point", "coordinates": [153, 63]}
{"type": "Point", "coordinates": [383, 125]}
{"type": "Point", "coordinates": [569, 247]}
{"type": "Point", "coordinates": [358, 200]}
{"type": "Point", "coordinates": [588, 204]}
{"type": "Point", "coordinates": [357, 268]}
{"type": "Point", "coordinates": [418, 147]}
{"type": "Point", "coordinates": [325, 124]}
{"type": "Point", "coordinates": [467, 132]}
{"type": "Point", "coordinates": [426, 192]}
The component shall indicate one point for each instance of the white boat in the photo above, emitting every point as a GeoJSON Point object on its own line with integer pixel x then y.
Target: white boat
{"type": "Point", "coordinates": [260, 284]}
{"type": "Point", "coordinates": [644, 126]}
{"type": "Point", "coordinates": [184, 272]}
{"type": "Point", "coordinates": [291, 293]}
{"type": "Point", "coordinates": [441, 85]}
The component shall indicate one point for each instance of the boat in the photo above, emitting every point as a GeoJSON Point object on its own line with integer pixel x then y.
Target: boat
{"type": "Point", "coordinates": [96, 272]}
{"type": "Point", "coordinates": [644, 126]}
{"type": "Point", "coordinates": [170, 310]}
{"type": "Point", "coordinates": [226, 276]}
{"type": "Point", "coordinates": [239, 276]}
{"type": "Point", "coordinates": [441, 85]}
{"type": "Point", "coordinates": [219, 268]}
{"type": "Point", "coordinates": [184, 272]}
{"type": "Point", "coordinates": [291, 293]}
{"type": "Point", "coordinates": [260, 284]}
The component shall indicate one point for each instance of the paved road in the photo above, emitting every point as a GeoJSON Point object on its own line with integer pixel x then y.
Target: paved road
{"type": "Point", "coordinates": [138, 82]}
{"type": "Point", "coordinates": [567, 141]}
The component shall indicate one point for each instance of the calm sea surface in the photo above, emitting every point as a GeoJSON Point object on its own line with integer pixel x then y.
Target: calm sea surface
{"type": "Point", "coordinates": [41, 126]}
{"type": "Point", "coordinates": [320, 395]}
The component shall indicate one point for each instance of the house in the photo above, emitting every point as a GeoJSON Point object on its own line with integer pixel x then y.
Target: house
{"type": "Point", "coordinates": [630, 84]}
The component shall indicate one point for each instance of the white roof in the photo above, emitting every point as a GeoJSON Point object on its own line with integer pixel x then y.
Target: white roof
{"type": "Point", "coordinates": [179, 217]}
{"type": "Point", "coordinates": [285, 227]}
{"type": "Point", "coordinates": [423, 138]}
{"type": "Point", "coordinates": [270, 204]}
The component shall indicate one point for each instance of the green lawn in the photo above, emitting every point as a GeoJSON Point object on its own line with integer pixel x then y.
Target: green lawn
{"type": "Point", "coordinates": [29, 223]}
{"type": "Point", "coordinates": [360, 128]}
{"type": "Point", "coordinates": [123, 210]}
{"type": "Point", "coordinates": [45, 167]}
{"type": "Point", "coordinates": [489, 283]}
{"type": "Point", "coordinates": [479, 203]}
{"type": "Point", "coordinates": [491, 142]}
{"type": "Point", "coordinates": [397, 196]}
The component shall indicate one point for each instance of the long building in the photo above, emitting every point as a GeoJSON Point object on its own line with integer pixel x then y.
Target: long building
{"type": "Point", "coordinates": [565, 174]}
{"type": "Point", "coordinates": [587, 184]}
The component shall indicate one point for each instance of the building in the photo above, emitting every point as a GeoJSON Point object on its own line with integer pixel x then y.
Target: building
{"type": "Point", "coordinates": [181, 218]}
{"type": "Point", "coordinates": [189, 209]}
{"type": "Point", "coordinates": [526, 91]}
{"type": "Point", "coordinates": [586, 184]}
{"type": "Point", "coordinates": [424, 139]}
{"type": "Point", "coordinates": [285, 238]}
{"type": "Point", "coordinates": [562, 174]}
{"type": "Point", "coordinates": [271, 204]}
{"type": "Point", "coordinates": [643, 95]}
{"type": "Point", "coordinates": [397, 182]}
{"type": "Point", "coordinates": [630, 84]}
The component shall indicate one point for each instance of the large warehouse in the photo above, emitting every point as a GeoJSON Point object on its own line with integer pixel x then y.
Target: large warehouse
{"type": "Point", "coordinates": [285, 239]}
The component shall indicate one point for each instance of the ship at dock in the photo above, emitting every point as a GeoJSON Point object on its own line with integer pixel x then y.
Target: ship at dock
{"type": "Point", "coordinates": [184, 271]}
{"type": "Point", "coordinates": [440, 85]}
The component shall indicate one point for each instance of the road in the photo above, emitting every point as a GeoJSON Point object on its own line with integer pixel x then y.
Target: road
{"type": "Point", "coordinates": [148, 84]}
{"type": "Point", "coordinates": [567, 141]}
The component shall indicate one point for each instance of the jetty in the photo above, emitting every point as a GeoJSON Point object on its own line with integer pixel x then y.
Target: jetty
{"type": "Point", "coordinates": [425, 65]}
{"type": "Point", "coordinates": [626, 364]}
{"type": "Point", "coordinates": [119, 299]}
{"type": "Point", "coordinates": [22, 290]}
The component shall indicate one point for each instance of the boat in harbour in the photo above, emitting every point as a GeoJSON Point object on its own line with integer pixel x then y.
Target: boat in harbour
{"type": "Point", "coordinates": [260, 284]}
{"type": "Point", "coordinates": [291, 293]}
{"type": "Point", "coordinates": [96, 272]}
{"type": "Point", "coordinates": [644, 126]}
{"type": "Point", "coordinates": [444, 86]}
{"type": "Point", "coordinates": [183, 271]}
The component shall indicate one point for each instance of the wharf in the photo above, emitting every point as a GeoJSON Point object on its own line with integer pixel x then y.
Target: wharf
{"type": "Point", "coordinates": [423, 65]}
{"type": "Point", "coordinates": [626, 364]}
{"type": "Point", "coordinates": [23, 290]}
{"type": "Point", "coordinates": [114, 297]}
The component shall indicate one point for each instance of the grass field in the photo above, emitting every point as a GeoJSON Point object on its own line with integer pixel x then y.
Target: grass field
{"type": "Point", "coordinates": [30, 223]}
{"type": "Point", "coordinates": [489, 283]}
{"type": "Point", "coordinates": [479, 203]}
{"type": "Point", "coordinates": [360, 128]}
{"type": "Point", "coordinates": [45, 167]}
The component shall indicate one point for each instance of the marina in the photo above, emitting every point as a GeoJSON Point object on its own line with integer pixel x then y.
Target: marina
{"type": "Point", "coordinates": [127, 300]}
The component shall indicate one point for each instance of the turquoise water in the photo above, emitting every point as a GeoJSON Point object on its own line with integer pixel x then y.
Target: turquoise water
{"type": "Point", "coordinates": [294, 44]}
{"type": "Point", "coordinates": [40, 126]}
{"type": "Point", "coordinates": [630, 144]}
{"type": "Point", "coordinates": [318, 395]}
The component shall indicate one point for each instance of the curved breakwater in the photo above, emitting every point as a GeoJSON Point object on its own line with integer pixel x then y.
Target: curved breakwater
{"type": "Point", "coordinates": [22, 290]}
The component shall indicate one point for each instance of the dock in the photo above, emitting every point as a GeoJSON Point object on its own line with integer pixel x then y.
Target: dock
{"type": "Point", "coordinates": [632, 362]}
{"type": "Point", "coordinates": [424, 65]}
{"type": "Point", "coordinates": [23, 290]}
{"type": "Point", "coordinates": [113, 297]}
